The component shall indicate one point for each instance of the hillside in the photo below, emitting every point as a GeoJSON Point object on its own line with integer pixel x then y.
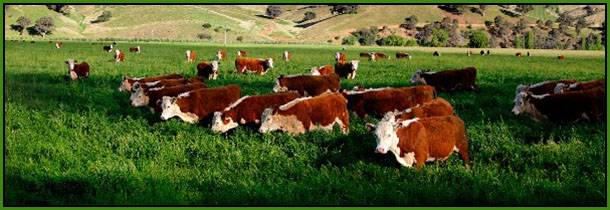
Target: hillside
{"type": "Point", "coordinates": [184, 22]}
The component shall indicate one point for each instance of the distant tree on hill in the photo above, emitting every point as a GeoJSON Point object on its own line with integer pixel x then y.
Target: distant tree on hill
{"type": "Point", "coordinates": [105, 16]}
{"type": "Point", "coordinates": [478, 39]}
{"type": "Point", "coordinates": [240, 38]}
{"type": "Point", "coordinates": [565, 21]}
{"type": "Point", "coordinates": [453, 8]}
{"type": "Point", "coordinates": [344, 9]}
{"type": "Point", "coordinates": [206, 25]}
{"type": "Point", "coordinates": [539, 23]}
{"type": "Point", "coordinates": [60, 8]}
{"type": "Point", "coordinates": [273, 11]}
{"type": "Point", "coordinates": [366, 36]}
{"type": "Point", "coordinates": [309, 15]}
{"type": "Point", "coordinates": [44, 26]}
{"type": "Point", "coordinates": [581, 23]}
{"type": "Point", "coordinates": [22, 23]}
{"type": "Point", "coordinates": [524, 8]}
{"type": "Point", "coordinates": [589, 10]}
{"type": "Point", "coordinates": [530, 41]}
{"type": "Point", "coordinates": [410, 23]}
{"type": "Point", "coordinates": [520, 26]}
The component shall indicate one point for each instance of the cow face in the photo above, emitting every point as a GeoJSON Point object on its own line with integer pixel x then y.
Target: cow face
{"type": "Point", "coordinates": [278, 86]}
{"type": "Point", "coordinates": [222, 123]}
{"type": "Point", "coordinates": [169, 106]}
{"type": "Point", "coordinates": [139, 98]}
{"type": "Point", "coordinates": [125, 84]}
{"type": "Point", "coordinates": [523, 105]}
{"type": "Point", "coordinates": [337, 56]}
{"type": "Point", "coordinates": [521, 88]}
{"type": "Point", "coordinates": [269, 62]}
{"type": "Point", "coordinates": [267, 122]}
{"type": "Point", "coordinates": [560, 88]}
{"type": "Point", "coordinates": [315, 71]}
{"type": "Point", "coordinates": [219, 55]}
{"type": "Point", "coordinates": [71, 63]}
{"type": "Point", "coordinates": [385, 134]}
{"type": "Point", "coordinates": [417, 78]}
{"type": "Point", "coordinates": [214, 74]}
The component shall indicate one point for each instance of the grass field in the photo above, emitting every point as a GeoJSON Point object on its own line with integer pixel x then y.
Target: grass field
{"type": "Point", "coordinates": [81, 143]}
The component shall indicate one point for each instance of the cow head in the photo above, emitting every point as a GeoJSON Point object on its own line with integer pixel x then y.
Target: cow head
{"type": "Point", "coordinates": [523, 105]}
{"type": "Point", "coordinates": [269, 63]}
{"type": "Point", "coordinates": [560, 88]}
{"type": "Point", "coordinates": [71, 63]}
{"type": "Point", "coordinates": [385, 134]}
{"type": "Point", "coordinates": [337, 56]}
{"type": "Point", "coordinates": [126, 84]}
{"type": "Point", "coordinates": [188, 53]}
{"type": "Point", "coordinates": [315, 71]}
{"type": "Point", "coordinates": [138, 49]}
{"type": "Point", "coordinates": [138, 97]}
{"type": "Point", "coordinates": [521, 88]}
{"type": "Point", "coordinates": [417, 78]}
{"type": "Point", "coordinates": [169, 106]}
{"type": "Point", "coordinates": [222, 123]}
{"type": "Point", "coordinates": [219, 55]}
{"type": "Point", "coordinates": [354, 65]}
{"type": "Point", "coordinates": [372, 56]}
{"type": "Point", "coordinates": [267, 124]}
{"type": "Point", "coordinates": [278, 85]}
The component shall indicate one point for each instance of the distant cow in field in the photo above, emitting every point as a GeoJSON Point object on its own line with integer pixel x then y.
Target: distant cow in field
{"type": "Point", "coordinates": [108, 48]}
{"type": "Point", "coordinates": [190, 56]}
{"type": "Point", "coordinates": [128, 82]}
{"type": "Point", "coordinates": [378, 101]}
{"type": "Point", "coordinates": [434, 108]}
{"type": "Point", "coordinates": [163, 83]}
{"type": "Point", "coordinates": [565, 87]}
{"type": "Point", "coordinates": [561, 57]}
{"type": "Point", "coordinates": [374, 56]}
{"type": "Point", "coordinates": [80, 70]}
{"type": "Point", "coordinates": [518, 54]}
{"type": "Point", "coordinates": [221, 55]}
{"type": "Point", "coordinates": [347, 69]}
{"type": "Point", "coordinates": [482, 53]}
{"type": "Point", "coordinates": [488, 52]}
{"type": "Point", "coordinates": [286, 56]}
{"type": "Point", "coordinates": [308, 113]}
{"type": "Point", "coordinates": [248, 109]}
{"type": "Point", "coordinates": [135, 49]}
{"type": "Point", "coordinates": [570, 106]}
{"type": "Point", "coordinates": [544, 87]}
{"type": "Point", "coordinates": [58, 44]}
{"type": "Point", "coordinates": [242, 53]}
{"type": "Point", "coordinates": [339, 56]}
{"type": "Point", "coordinates": [119, 56]}
{"type": "Point", "coordinates": [436, 53]}
{"type": "Point", "coordinates": [448, 80]}
{"type": "Point", "coordinates": [253, 65]}
{"type": "Point", "coordinates": [528, 53]}
{"type": "Point", "coordinates": [307, 85]}
{"type": "Point", "coordinates": [208, 70]}
{"type": "Point", "coordinates": [400, 55]}
{"type": "Point", "coordinates": [322, 70]}
{"type": "Point", "coordinates": [197, 105]}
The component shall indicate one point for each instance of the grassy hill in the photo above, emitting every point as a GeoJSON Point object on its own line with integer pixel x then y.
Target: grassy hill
{"type": "Point", "coordinates": [183, 22]}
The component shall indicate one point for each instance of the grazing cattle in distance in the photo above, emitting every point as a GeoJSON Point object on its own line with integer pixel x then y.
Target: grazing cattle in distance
{"type": "Point", "coordinates": [221, 55]}
{"type": "Point", "coordinates": [286, 56]}
{"type": "Point", "coordinates": [378, 101]}
{"type": "Point", "coordinates": [150, 97]}
{"type": "Point", "coordinates": [58, 44]}
{"type": "Point", "coordinates": [347, 69]}
{"type": "Point", "coordinates": [421, 140]}
{"type": "Point", "coordinates": [377, 55]}
{"type": "Point", "coordinates": [561, 57]}
{"type": "Point", "coordinates": [565, 87]}
{"type": "Point", "coordinates": [248, 109]}
{"type": "Point", "coordinates": [307, 113]}
{"type": "Point", "coordinates": [119, 56]}
{"type": "Point", "coordinates": [400, 55]}
{"type": "Point", "coordinates": [528, 53]}
{"type": "Point", "coordinates": [198, 105]}
{"type": "Point", "coordinates": [254, 65]}
{"type": "Point", "coordinates": [482, 52]}
{"type": "Point", "coordinates": [208, 70]}
{"type": "Point", "coordinates": [488, 52]}
{"type": "Point", "coordinates": [448, 80]}
{"type": "Point", "coordinates": [570, 106]}
{"type": "Point", "coordinates": [242, 53]}
{"type": "Point", "coordinates": [322, 70]}
{"type": "Point", "coordinates": [518, 54]}
{"type": "Point", "coordinates": [135, 49]}
{"type": "Point", "coordinates": [138, 86]}
{"type": "Point", "coordinates": [80, 70]}
{"type": "Point", "coordinates": [436, 53]}
{"type": "Point", "coordinates": [543, 87]}
{"type": "Point", "coordinates": [108, 48]}
{"type": "Point", "coordinates": [128, 82]}
{"type": "Point", "coordinates": [434, 108]}
{"type": "Point", "coordinates": [190, 56]}
{"type": "Point", "coordinates": [307, 85]}
{"type": "Point", "coordinates": [340, 57]}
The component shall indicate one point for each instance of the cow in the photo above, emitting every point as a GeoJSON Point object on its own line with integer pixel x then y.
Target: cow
{"type": "Point", "coordinates": [570, 106]}
{"type": "Point", "coordinates": [528, 53]}
{"type": "Point", "coordinates": [421, 140]}
{"type": "Point", "coordinates": [248, 109]}
{"type": "Point", "coordinates": [307, 85]}
{"type": "Point", "coordinates": [518, 54]}
{"type": "Point", "coordinates": [208, 70]}
{"type": "Point", "coordinates": [434, 108]}
{"type": "Point", "coordinates": [482, 52]}
{"type": "Point", "coordinates": [108, 48]}
{"type": "Point", "coordinates": [128, 82]}
{"type": "Point", "coordinates": [80, 70]}
{"type": "Point", "coordinates": [377, 55]}
{"type": "Point", "coordinates": [307, 113]}
{"type": "Point", "coordinates": [564, 87]}
{"type": "Point", "coordinates": [544, 87]}
{"type": "Point", "coordinates": [347, 69]}
{"type": "Point", "coordinates": [400, 55]}
{"type": "Point", "coordinates": [378, 101]}
{"type": "Point", "coordinates": [199, 105]}
{"type": "Point", "coordinates": [561, 57]}
{"type": "Point", "coordinates": [151, 97]}
{"type": "Point", "coordinates": [286, 56]}
{"type": "Point", "coordinates": [58, 44]}
{"type": "Point", "coordinates": [340, 57]}
{"type": "Point", "coordinates": [137, 86]}
{"type": "Point", "coordinates": [488, 52]}
{"type": "Point", "coordinates": [366, 55]}
{"type": "Point", "coordinates": [448, 80]}
{"type": "Point", "coordinates": [119, 56]}
{"type": "Point", "coordinates": [436, 53]}
{"type": "Point", "coordinates": [190, 56]}
{"type": "Point", "coordinates": [242, 53]}
{"type": "Point", "coordinates": [322, 70]}
{"type": "Point", "coordinates": [135, 49]}
{"type": "Point", "coordinates": [221, 55]}
{"type": "Point", "coordinates": [255, 65]}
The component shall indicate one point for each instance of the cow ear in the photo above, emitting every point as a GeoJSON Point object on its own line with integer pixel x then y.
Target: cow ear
{"type": "Point", "coordinates": [281, 76]}
{"type": "Point", "coordinates": [370, 127]}
{"type": "Point", "coordinates": [75, 61]}
{"type": "Point", "coordinates": [66, 62]}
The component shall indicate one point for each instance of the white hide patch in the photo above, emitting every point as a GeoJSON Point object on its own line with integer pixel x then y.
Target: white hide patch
{"type": "Point", "coordinates": [234, 104]}
{"type": "Point", "coordinates": [290, 104]}
{"type": "Point", "coordinates": [171, 109]}
{"type": "Point", "coordinates": [218, 124]}
{"type": "Point", "coordinates": [152, 83]}
{"type": "Point", "coordinates": [353, 92]}
{"type": "Point", "coordinates": [289, 124]}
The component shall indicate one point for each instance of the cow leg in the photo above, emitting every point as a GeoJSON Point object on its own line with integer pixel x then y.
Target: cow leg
{"type": "Point", "coordinates": [420, 159]}
{"type": "Point", "coordinates": [462, 147]}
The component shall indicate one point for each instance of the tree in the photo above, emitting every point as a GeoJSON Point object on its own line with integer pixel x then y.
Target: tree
{"type": "Point", "coordinates": [589, 10]}
{"type": "Point", "coordinates": [349, 40]}
{"type": "Point", "coordinates": [498, 20]}
{"type": "Point", "coordinates": [44, 25]}
{"type": "Point", "coordinates": [524, 8]}
{"type": "Point", "coordinates": [530, 41]}
{"type": "Point", "coordinates": [539, 23]}
{"type": "Point", "coordinates": [440, 38]}
{"type": "Point", "coordinates": [565, 21]}
{"type": "Point", "coordinates": [344, 9]}
{"type": "Point", "coordinates": [410, 23]}
{"type": "Point", "coordinates": [240, 38]}
{"type": "Point", "coordinates": [580, 24]}
{"type": "Point", "coordinates": [22, 23]}
{"type": "Point", "coordinates": [488, 23]}
{"type": "Point", "coordinates": [594, 42]}
{"type": "Point", "coordinates": [309, 15]}
{"type": "Point", "coordinates": [366, 36]}
{"type": "Point", "coordinates": [518, 42]}
{"type": "Point", "coordinates": [478, 39]}
{"type": "Point", "coordinates": [273, 11]}
{"type": "Point", "coordinates": [520, 26]}
{"type": "Point", "coordinates": [392, 40]}
{"type": "Point", "coordinates": [105, 16]}
{"type": "Point", "coordinates": [603, 33]}
{"type": "Point", "coordinates": [206, 25]}
{"type": "Point", "coordinates": [60, 8]}
{"type": "Point", "coordinates": [204, 36]}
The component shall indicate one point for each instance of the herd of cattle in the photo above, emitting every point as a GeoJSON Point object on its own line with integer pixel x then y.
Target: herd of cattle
{"type": "Point", "coordinates": [415, 124]}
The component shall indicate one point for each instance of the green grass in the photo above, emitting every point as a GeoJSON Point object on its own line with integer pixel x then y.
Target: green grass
{"type": "Point", "coordinates": [81, 143]}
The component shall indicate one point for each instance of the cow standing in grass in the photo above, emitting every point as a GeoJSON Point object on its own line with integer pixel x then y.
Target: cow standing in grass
{"type": "Point", "coordinates": [80, 70]}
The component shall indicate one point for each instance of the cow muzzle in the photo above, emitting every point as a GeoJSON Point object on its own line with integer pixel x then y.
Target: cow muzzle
{"type": "Point", "coordinates": [381, 150]}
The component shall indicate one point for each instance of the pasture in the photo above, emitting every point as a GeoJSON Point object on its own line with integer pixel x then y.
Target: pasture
{"type": "Point", "coordinates": [81, 143]}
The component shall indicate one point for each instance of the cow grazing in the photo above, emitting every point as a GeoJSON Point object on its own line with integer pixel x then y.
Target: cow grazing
{"type": "Point", "coordinates": [307, 85]}
{"type": "Point", "coordinates": [80, 70]}
{"type": "Point", "coordinates": [58, 44]}
{"type": "Point", "coordinates": [242, 53]}
{"type": "Point", "coordinates": [308, 113]}
{"type": "Point", "coordinates": [163, 83]}
{"type": "Point", "coordinates": [377, 55]}
{"type": "Point", "coordinates": [570, 106]}
{"type": "Point", "coordinates": [119, 56]}
{"type": "Point", "coordinates": [434, 108]}
{"type": "Point", "coordinates": [248, 109]}
{"type": "Point", "coordinates": [565, 87]}
{"type": "Point", "coordinates": [378, 101]}
{"type": "Point", "coordinates": [322, 70]}
{"type": "Point", "coordinates": [128, 82]}
{"type": "Point", "coordinates": [421, 140]}
{"type": "Point", "coordinates": [448, 80]}
{"type": "Point", "coordinates": [400, 55]}
{"type": "Point", "coordinates": [340, 57]}
{"type": "Point", "coordinates": [518, 54]}
{"type": "Point", "coordinates": [347, 69]}
{"type": "Point", "coordinates": [436, 53]}
{"type": "Point", "coordinates": [488, 52]}
{"type": "Point", "coordinates": [151, 97]}
{"type": "Point", "coordinates": [528, 53]}
{"type": "Point", "coordinates": [561, 57]}
{"type": "Point", "coordinates": [254, 65]}
{"type": "Point", "coordinates": [208, 70]}
{"type": "Point", "coordinates": [221, 55]}
{"type": "Point", "coordinates": [286, 56]}
{"type": "Point", "coordinates": [543, 87]}
{"type": "Point", "coordinates": [108, 48]}
{"type": "Point", "coordinates": [198, 105]}
{"type": "Point", "coordinates": [190, 56]}
{"type": "Point", "coordinates": [135, 49]}
{"type": "Point", "coordinates": [482, 53]}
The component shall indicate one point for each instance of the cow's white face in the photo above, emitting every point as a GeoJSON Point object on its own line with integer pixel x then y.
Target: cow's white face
{"type": "Point", "coordinates": [125, 85]}
{"type": "Point", "coordinates": [222, 123]}
{"type": "Point", "coordinates": [270, 62]}
{"type": "Point", "coordinates": [278, 88]}
{"type": "Point", "coordinates": [188, 54]}
{"type": "Point", "coordinates": [267, 124]}
{"type": "Point", "coordinates": [520, 103]}
{"type": "Point", "coordinates": [385, 135]}
{"type": "Point", "coordinates": [355, 65]}
{"type": "Point", "coordinates": [170, 108]}
{"type": "Point", "coordinates": [315, 71]}
{"type": "Point", "coordinates": [372, 56]}
{"type": "Point", "coordinates": [417, 78]}
{"type": "Point", "coordinates": [219, 55]}
{"type": "Point", "coordinates": [337, 56]}
{"type": "Point", "coordinates": [138, 98]}
{"type": "Point", "coordinates": [71, 63]}
{"type": "Point", "coordinates": [521, 88]}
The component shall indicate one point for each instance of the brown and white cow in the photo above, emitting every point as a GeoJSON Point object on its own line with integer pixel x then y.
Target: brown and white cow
{"type": "Point", "coordinates": [434, 108]}
{"type": "Point", "coordinates": [518, 54]}
{"type": "Point", "coordinates": [400, 55]}
{"type": "Point", "coordinates": [128, 82]}
{"type": "Point", "coordinates": [565, 87]}
{"type": "Point", "coordinates": [80, 70]}
{"type": "Point", "coordinates": [307, 113]}
{"type": "Point", "coordinates": [378, 101]}
{"type": "Point", "coordinates": [340, 57]}
{"type": "Point", "coordinates": [119, 56]}
{"type": "Point", "coordinates": [448, 80]}
{"type": "Point", "coordinates": [197, 105]}
{"type": "Point", "coordinates": [108, 48]}
{"type": "Point", "coordinates": [221, 55]}
{"type": "Point", "coordinates": [374, 56]}
{"type": "Point", "coordinates": [242, 53]}
{"type": "Point", "coordinates": [151, 97]}
{"type": "Point", "coordinates": [544, 87]}
{"type": "Point", "coordinates": [135, 49]}
{"type": "Point", "coordinates": [208, 70]}
{"type": "Point", "coordinates": [561, 57]}
{"type": "Point", "coordinates": [58, 44]}
{"type": "Point", "coordinates": [570, 106]}
{"type": "Point", "coordinates": [347, 69]}
{"type": "Point", "coordinates": [322, 70]}
{"type": "Point", "coordinates": [248, 109]}
{"type": "Point", "coordinates": [286, 56]}
{"type": "Point", "coordinates": [254, 65]}
{"type": "Point", "coordinates": [137, 86]}
{"type": "Point", "coordinates": [190, 56]}
{"type": "Point", "coordinates": [307, 85]}
{"type": "Point", "coordinates": [420, 140]}
{"type": "Point", "coordinates": [482, 53]}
